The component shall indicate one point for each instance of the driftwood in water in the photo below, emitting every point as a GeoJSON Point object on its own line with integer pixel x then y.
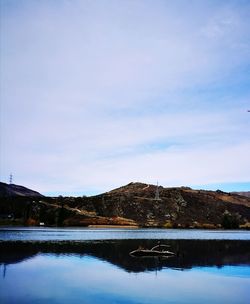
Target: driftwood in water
{"type": "Point", "coordinates": [140, 252]}
{"type": "Point", "coordinates": [159, 246]}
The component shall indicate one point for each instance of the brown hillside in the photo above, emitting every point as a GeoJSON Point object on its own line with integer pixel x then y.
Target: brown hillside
{"type": "Point", "coordinates": [134, 205]}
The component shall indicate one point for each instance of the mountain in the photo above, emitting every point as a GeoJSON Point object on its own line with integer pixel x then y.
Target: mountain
{"type": "Point", "coordinates": [135, 204]}
{"type": "Point", "coordinates": [242, 193]}
{"type": "Point", "coordinates": [16, 190]}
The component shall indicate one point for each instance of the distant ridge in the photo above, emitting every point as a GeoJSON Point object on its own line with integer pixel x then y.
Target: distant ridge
{"type": "Point", "coordinates": [242, 193]}
{"type": "Point", "coordinates": [16, 190]}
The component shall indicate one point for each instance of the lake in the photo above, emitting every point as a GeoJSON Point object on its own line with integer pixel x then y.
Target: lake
{"type": "Point", "coordinates": [48, 265]}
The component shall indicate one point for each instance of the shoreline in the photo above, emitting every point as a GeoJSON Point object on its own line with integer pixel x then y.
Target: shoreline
{"type": "Point", "coordinates": [205, 228]}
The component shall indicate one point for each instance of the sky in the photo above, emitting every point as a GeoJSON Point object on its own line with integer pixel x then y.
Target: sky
{"type": "Point", "coordinates": [97, 94]}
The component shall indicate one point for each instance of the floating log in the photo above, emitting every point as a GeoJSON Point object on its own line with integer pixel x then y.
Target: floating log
{"type": "Point", "coordinates": [152, 252]}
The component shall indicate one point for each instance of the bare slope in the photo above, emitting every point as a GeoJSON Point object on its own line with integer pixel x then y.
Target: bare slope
{"type": "Point", "coordinates": [16, 190]}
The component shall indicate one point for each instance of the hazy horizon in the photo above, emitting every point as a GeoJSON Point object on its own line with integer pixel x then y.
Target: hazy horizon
{"type": "Point", "coordinates": [96, 94]}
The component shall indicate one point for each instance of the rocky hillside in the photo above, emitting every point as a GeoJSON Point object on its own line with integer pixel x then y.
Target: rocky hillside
{"type": "Point", "coordinates": [135, 205]}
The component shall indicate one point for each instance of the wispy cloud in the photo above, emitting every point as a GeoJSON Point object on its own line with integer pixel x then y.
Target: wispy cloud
{"type": "Point", "coordinates": [95, 94]}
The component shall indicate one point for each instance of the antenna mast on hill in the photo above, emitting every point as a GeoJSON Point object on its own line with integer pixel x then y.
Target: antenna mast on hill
{"type": "Point", "coordinates": [157, 195]}
{"type": "Point", "coordinates": [11, 179]}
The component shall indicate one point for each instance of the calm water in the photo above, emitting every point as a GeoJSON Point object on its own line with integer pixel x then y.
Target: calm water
{"type": "Point", "coordinates": [94, 266]}
{"type": "Point", "coordinates": [83, 234]}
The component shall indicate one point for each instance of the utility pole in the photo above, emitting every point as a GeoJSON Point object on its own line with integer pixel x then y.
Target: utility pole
{"type": "Point", "coordinates": [157, 195]}
{"type": "Point", "coordinates": [11, 179]}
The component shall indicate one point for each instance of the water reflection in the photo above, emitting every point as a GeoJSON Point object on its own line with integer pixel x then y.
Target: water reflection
{"type": "Point", "coordinates": [104, 272]}
{"type": "Point", "coordinates": [189, 253]}
{"type": "Point", "coordinates": [52, 278]}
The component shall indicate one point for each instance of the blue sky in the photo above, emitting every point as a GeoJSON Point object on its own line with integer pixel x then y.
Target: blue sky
{"type": "Point", "coordinates": [96, 94]}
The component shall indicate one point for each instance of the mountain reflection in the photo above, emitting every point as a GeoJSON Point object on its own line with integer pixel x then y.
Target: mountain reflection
{"type": "Point", "coordinates": [189, 253]}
